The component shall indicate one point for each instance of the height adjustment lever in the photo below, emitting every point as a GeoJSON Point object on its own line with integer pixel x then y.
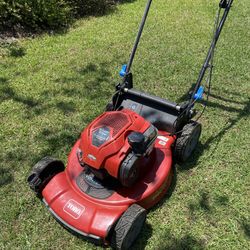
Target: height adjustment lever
{"type": "Point", "coordinates": [198, 95]}
{"type": "Point", "coordinates": [122, 73]}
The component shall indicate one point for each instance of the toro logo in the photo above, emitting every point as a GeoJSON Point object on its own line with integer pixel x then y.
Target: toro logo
{"type": "Point", "coordinates": [73, 208]}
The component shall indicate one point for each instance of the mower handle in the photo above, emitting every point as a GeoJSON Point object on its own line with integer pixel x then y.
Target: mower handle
{"type": "Point", "coordinates": [224, 4]}
{"type": "Point", "coordinates": [132, 55]}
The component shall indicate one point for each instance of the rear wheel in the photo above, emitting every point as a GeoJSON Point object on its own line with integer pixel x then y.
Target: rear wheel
{"type": "Point", "coordinates": [128, 227]}
{"type": "Point", "coordinates": [187, 141]}
{"type": "Point", "coordinates": [43, 172]}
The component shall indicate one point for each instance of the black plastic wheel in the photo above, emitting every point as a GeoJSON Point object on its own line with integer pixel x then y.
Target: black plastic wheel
{"type": "Point", "coordinates": [128, 227]}
{"type": "Point", "coordinates": [187, 141]}
{"type": "Point", "coordinates": [43, 172]}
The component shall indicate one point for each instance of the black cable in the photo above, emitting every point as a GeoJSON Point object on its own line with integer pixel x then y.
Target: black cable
{"type": "Point", "coordinates": [118, 93]}
{"type": "Point", "coordinates": [209, 78]}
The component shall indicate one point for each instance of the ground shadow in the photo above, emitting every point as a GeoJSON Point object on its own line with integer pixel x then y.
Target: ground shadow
{"type": "Point", "coordinates": [66, 107]}
{"type": "Point", "coordinates": [9, 93]}
{"type": "Point", "coordinates": [88, 82]}
{"type": "Point", "coordinates": [6, 177]}
{"type": "Point", "coordinates": [242, 113]}
{"type": "Point", "coordinates": [207, 205]}
{"type": "Point", "coordinates": [222, 200]}
{"type": "Point", "coordinates": [10, 160]}
{"type": "Point", "coordinates": [246, 228]}
{"type": "Point", "coordinates": [204, 204]}
{"type": "Point", "coordinates": [94, 88]}
{"type": "Point", "coordinates": [56, 140]}
{"type": "Point", "coordinates": [3, 80]}
{"type": "Point", "coordinates": [168, 241]}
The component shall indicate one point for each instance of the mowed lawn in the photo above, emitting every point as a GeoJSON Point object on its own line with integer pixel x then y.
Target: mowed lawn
{"type": "Point", "coordinates": [52, 86]}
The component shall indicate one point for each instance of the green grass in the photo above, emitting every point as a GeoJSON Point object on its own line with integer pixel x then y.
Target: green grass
{"type": "Point", "coordinates": [53, 86]}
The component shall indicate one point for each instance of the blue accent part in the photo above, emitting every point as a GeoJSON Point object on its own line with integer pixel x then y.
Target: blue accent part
{"type": "Point", "coordinates": [123, 70]}
{"type": "Point", "coordinates": [199, 93]}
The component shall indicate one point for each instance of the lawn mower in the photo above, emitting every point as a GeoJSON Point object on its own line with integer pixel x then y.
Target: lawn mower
{"type": "Point", "coordinates": [122, 164]}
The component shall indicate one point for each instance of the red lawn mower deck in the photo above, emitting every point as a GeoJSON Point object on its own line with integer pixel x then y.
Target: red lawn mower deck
{"type": "Point", "coordinates": [91, 208]}
{"type": "Point", "coordinates": [122, 164]}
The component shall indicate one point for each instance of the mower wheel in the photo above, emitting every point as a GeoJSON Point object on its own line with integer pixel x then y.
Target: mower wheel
{"type": "Point", "coordinates": [128, 227]}
{"type": "Point", "coordinates": [43, 172]}
{"type": "Point", "coordinates": [187, 141]}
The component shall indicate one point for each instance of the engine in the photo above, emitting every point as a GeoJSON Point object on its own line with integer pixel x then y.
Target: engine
{"type": "Point", "coordinates": [114, 145]}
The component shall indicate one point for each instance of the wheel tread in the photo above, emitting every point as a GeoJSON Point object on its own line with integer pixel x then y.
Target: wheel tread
{"type": "Point", "coordinates": [134, 214]}
{"type": "Point", "coordinates": [183, 140]}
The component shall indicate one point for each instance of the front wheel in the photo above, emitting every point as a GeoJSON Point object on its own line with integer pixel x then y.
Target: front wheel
{"type": "Point", "coordinates": [43, 172]}
{"type": "Point", "coordinates": [128, 227]}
